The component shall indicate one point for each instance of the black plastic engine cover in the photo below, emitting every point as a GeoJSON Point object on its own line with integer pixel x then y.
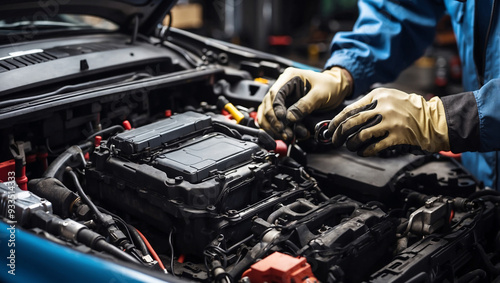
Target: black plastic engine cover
{"type": "Point", "coordinates": [366, 179]}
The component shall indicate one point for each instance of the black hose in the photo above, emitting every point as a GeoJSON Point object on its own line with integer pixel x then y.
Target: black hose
{"type": "Point", "coordinates": [187, 56]}
{"type": "Point", "coordinates": [97, 242]}
{"type": "Point", "coordinates": [63, 199]}
{"type": "Point", "coordinates": [165, 31]}
{"type": "Point", "coordinates": [138, 240]}
{"type": "Point", "coordinates": [256, 252]}
{"type": "Point", "coordinates": [491, 198]}
{"type": "Point", "coordinates": [100, 217]}
{"type": "Point", "coordinates": [72, 230]}
{"type": "Point", "coordinates": [72, 157]}
{"type": "Point", "coordinates": [238, 244]}
{"type": "Point", "coordinates": [482, 193]}
{"type": "Point", "coordinates": [109, 248]}
{"type": "Point", "coordinates": [264, 139]}
{"type": "Point", "coordinates": [86, 146]}
{"type": "Point", "coordinates": [291, 246]}
{"type": "Point", "coordinates": [108, 131]}
{"type": "Point", "coordinates": [118, 219]}
{"type": "Point", "coordinates": [417, 199]}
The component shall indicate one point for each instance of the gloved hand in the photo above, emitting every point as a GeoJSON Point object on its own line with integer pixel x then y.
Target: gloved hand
{"type": "Point", "coordinates": [326, 91]}
{"type": "Point", "coordinates": [389, 118]}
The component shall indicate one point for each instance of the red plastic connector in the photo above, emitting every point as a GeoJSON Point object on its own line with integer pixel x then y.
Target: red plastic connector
{"type": "Point", "coordinates": [97, 141]}
{"type": "Point", "coordinates": [21, 179]}
{"type": "Point", "coordinates": [168, 113]}
{"type": "Point", "coordinates": [281, 148]}
{"type": "Point", "coordinates": [181, 258]}
{"type": "Point", "coordinates": [126, 125]}
{"type": "Point", "coordinates": [253, 115]}
{"type": "Point", "coordinates": [280, 267]}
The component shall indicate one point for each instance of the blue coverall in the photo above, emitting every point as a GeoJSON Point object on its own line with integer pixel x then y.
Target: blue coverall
{"type": "Point", "coordinates": [390, 35]}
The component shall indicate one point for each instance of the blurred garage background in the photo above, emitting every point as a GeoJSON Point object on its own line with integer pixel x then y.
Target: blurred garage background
{"type": "Point", "coordinates": [302, 31]}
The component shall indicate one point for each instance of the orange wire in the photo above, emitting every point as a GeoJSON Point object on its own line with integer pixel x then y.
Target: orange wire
{"type": "Point", "coordinates": [151, 250]}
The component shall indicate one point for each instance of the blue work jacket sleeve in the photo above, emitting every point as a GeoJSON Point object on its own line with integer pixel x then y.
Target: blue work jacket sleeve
{"type": "Point", "coordinates": [473, 119]}
{"type": "Point", "coordinates": [388, 36]}
{"type": "Point", "coordinates": [488, 106]}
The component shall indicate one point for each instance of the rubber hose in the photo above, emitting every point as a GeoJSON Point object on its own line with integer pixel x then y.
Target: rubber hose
{"type": "Point", "coordinates": [72, 157]}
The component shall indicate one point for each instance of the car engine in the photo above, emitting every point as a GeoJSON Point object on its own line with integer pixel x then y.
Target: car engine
{"type": "Point", "coordinates": [154, 167]}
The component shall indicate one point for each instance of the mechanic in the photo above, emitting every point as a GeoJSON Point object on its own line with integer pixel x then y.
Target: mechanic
{"type": "Point", "coordinates": [387, 37]}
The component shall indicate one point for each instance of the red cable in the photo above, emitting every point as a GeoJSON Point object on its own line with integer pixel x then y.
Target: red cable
{"type": "Point", "coordinates": [152, 251]}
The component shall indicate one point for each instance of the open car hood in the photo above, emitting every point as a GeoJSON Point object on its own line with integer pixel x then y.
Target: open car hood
{"type": "Point", "coordinates": [122, 12]}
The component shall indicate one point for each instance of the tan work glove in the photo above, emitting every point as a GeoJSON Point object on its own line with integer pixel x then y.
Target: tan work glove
{"type": "Point", "coordinates": [326, 91]}
{"type": "Point", "coordinates": [389, 119]}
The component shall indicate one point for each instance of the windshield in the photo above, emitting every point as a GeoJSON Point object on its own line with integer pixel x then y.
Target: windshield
{"type": "Point", "coordinates": [60, 22]}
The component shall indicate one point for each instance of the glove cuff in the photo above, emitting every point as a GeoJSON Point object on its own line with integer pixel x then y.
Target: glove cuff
{"type": "Point", "coordinates": [437, 115]}
{"type": "Point", "coordinates": [345, 81]}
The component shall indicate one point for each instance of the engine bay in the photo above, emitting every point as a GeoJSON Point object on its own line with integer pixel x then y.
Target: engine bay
{"type": "Point", "coordinates": [142, 162]}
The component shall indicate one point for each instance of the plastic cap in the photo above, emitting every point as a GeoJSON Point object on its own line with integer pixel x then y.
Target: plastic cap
{"type": "Point", "coordinates": [126, 125]}
{"type": "Point", "coordinates": [97, 141]}
{"type": "Point", "coordinates": [281, 148]}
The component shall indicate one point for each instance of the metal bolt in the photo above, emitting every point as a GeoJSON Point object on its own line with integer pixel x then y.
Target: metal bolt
{"type": "Point", "coordinates": [232, 213]}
